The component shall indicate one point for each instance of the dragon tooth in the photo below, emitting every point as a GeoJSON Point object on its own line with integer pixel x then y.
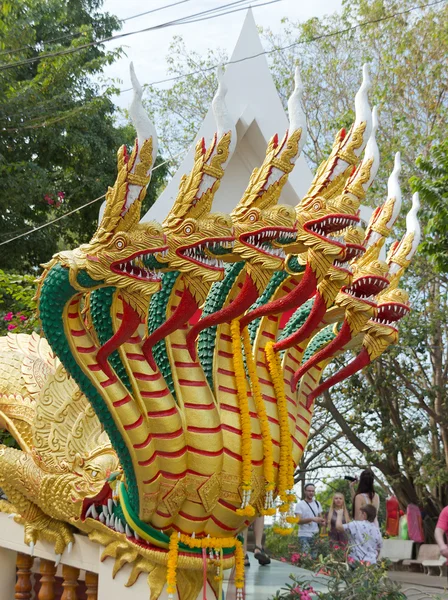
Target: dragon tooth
{"type": "Point", "coordinates": [110, 505]}
{"type": "Point", "coordinates": [108, 520]}
{"type": "Point", "coordinates": [89, 511]}
{"type": "Point", "coordinates": [94, 512]}
{"type": "Point", "coordinates": [105, 510]}
{"type": "Point", "coordinates": [119, 525]}
{"type": "Point", "coordinates": [128, 531]}
{"type": "Point", "coordinates": [102, 518]}
{"type": "Point", "coordinates": [137, 537]}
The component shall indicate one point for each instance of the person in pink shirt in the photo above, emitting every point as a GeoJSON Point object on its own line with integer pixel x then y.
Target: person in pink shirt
{"type": "Point", "coordinates": [441, 531]}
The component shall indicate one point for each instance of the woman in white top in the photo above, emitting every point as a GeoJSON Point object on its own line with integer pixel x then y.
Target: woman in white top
{"type": "Point", "coordinates": [365, 494]}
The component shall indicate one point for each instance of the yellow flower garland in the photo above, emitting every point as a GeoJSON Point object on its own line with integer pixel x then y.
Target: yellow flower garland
{"type": "Point", "coordinates": [171, 568]}
{"type": "Point", "coordinates": [268, 461]}
{"type": "Point", "coordinates": [246, 440]}
{"type": "Point", "coordinates": [286, 467]}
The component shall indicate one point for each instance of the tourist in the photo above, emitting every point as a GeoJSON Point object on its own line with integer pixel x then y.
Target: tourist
{"type": "Point", "coordinates": [337, 538]}
{"type": "Point", "coordinates": [365, 539]}
{"type": "Point", "coordinates": [365, 494]}
{"type": "Point", "coordinates": [259, 551]}
{"type": "Point", "coordinates": [441, 531]}
{"type": "Point", "coordinates": [309, 512]}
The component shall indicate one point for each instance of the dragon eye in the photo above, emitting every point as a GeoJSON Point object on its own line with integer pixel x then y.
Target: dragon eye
{"type": "Point", "coordinates": [120, 243]}
{"type": "Point", "coordinates": [94, 474]}
{"type": "Point", "coordinates": [317, 206]}
{"type": "Point", "coordinates": [188, 229]}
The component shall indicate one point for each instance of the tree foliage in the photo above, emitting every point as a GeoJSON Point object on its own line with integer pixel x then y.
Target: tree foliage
{"type": "Point", "coordinates": [58, 137]}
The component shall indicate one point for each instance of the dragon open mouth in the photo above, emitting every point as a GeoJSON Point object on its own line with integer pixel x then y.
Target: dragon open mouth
{"type": "Point", "coordinates": [389, 313]}
{"type": "Point", "coordinates": [203, 252]}
{"type": "Point", "coordinates": [263, 239]}
{"type": "Point", "coordinates": [366, 288]}
{"type": "Point", "coordinates": [352, 251]}
{"type": "Point", "coordinates": [106, 509]}
{"type": "Point", "coordinates": [326, 227]}
{"type": "Point", "coordinates": [134, 265]}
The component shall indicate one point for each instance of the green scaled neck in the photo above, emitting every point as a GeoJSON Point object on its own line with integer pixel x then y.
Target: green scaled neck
{"type": "Point", "coordinates": [55, 293]}
{"type": "Point", "coordinates": [215, 301]}
{"type": "Point", "coordinates": [277, 278]}
{"type": "Point", "coordinates": [156, 317]}
{"type": "Point", "coordinates": [319, 341]}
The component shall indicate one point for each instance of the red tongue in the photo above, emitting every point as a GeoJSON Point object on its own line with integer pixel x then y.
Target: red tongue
{"type": "Point", "coordinates": [358, 363]}
{"type": "Point", "coordinates": [294, 299]}
{"type": "Point", "coordinates": [242, 302]}
{"type": "Point", "coordinates": [343, 337]}
{"type": "Point", "coordinates": [184, 311]}
{"type": "Point", "coordinates": [129, 324]}
{"type": "Point", "coordinates": [314, 318]}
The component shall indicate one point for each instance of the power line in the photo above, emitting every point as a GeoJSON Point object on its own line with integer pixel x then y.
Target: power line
{"type": "Point", "coordinates": [265, 52]}
{"type": "Point", "coordinates": [180, 21]}
{"type": "Point", "coordinates": [75, 33]}
{"type": "Point", "coordinates": [76, 209]}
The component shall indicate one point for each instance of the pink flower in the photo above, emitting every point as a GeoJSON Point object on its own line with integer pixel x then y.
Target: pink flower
{"type": "Point", "coordinates": [336, 547]}
{"type": "Point", "coordinates": [350, 559]}
{"type": "Point", "coordinates": [8, 317]}
{"type": "Point", "coordinates": [283, 559]}
{"type": "Point", "coordinates": [61, 195]}
{"type": "Point", "coordinates": [295, 557]}
{"type": "Point", "coordinates": [22, 317]}
{"type": "Point", "coordinates": [11, 327]}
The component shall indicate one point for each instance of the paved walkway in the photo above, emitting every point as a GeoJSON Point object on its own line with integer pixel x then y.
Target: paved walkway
{"type": "Point", "coordinates": [263, 582]}
{"type": "Point", "coordinates": [420, 587]}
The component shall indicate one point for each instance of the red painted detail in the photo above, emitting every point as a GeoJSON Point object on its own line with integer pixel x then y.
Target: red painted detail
{"type": "Point", "coordinates": [186, 309]}
{"type": "Point", "coordinates": [305, 407]}
{"type": "Point", "coordinates": [178, 293]}
{"type": "Point", "coordinates": [84, 350]}
{"type": "Point", "coordinates": [294, 299]}
{"type": "Point", "coordinates": [155, 393]}
{"type": "Point", "coordinates": [192, 383]}
{"type": "Point", "coordinates": [232, 454]}
{"type": "Point", "coordinates": [73, 315]}
{"type": "Point", "coordinates": [109, 382]}
{"type": "Point", "coordinates": [225, 354]}
{"type": "Point", "coordinates": [146, 376]}
{"type": "Point", "coordinates": [266, 382]}
{"type": "Point", "coordinates": [199, 406]}
{"type": "Point", "coordinates": [254, 436]}
{"type": "Point", "coordinates": [119, 316]}
{"type": "Point", "coordinates": [191, 517]}
{"type": "Point", "coordinates": [300, 416]}
{"type": "Point", "coordinates": [220, 524]}
{"type": "Point", "coordinates": [297, 443]}
{"type": "Point", "coordinates": [260, 363]}
{"type": "Point", "coordinates": [186, 365]}
{"type": "Point", "coordinates": [289, 369]}
{"type": "Point", "coordinates": [204, 452]}
{"type": "Point", "coordinates": [273, 420]}
{"type": "Point", "coordinates": [268, 335]}
{"type": "Point", "coordinates": [228, 390]}
{"type": "Point", "coordinates": [94, 367]}
{"type": "Point", "coordinates": [225, 337]}
{"type": "Point", "coordinates": [134, 356]}
{"type": "Point", "coordinates": [163, 515]}
{"type": "Point", "coordinates": [229, 407]}
{"type": "Point", "coordinates": [226, 372]}
{"type": "Point", "coordinates": [137, 423]}
{"type": "Point", "coordinates": [131, 321]}
{"type": "Point", "coordinates": [162, 413]}
{"type": "Point", "coordinates": [136, 339]}
{"type": "Point", "coordinates": [316, 315]}
{"type": "Point", "coordinates": [144, 444]}
{"type": "Point", "coordinates": [307, 385]}
{"type": "Point", "coordinates": [245, 298]}
{"type": "Point", "coordinates": [157, 453]}
{"type": "Point", "coordinates": [343, 337]}
{"type": "Point", "coordinates": [192, 429]}
{"type": "Point", "coordinates": [77, 332]}
{"type": "Point", "coordinates": [300, 430]}
{"type": "Point", "coordinates": [168, 436]}
{"type": "Point", "coordinates": [123, 401]}
{"type": "Point", "coordinates": [73, 302]}
{"type": "Point", "coordinates": [273, 318]}
{"type": "Point", "coordinates": [311, 376]}
{"type": "Point", "coordinates": [227, 505]}
{"type": "Point", "coordinates": [294, 359]}
{"type": "Point", "coordinates": [179, 346]}
{"type": "Point", "coordinates": [270, 399]}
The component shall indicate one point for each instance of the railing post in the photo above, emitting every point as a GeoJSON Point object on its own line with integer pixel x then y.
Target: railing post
{"type": "Point", "coordinates": [92, 585]}
{"type": "Point", "coordinates": [70, 576]}
{"type": "Point", "coordinates": [23, 587]}
{"type": "Point", "coordinates": [47, 580]}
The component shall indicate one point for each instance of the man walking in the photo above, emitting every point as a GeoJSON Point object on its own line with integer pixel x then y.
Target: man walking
{"type": "Point", "coordinates": [309, 512]}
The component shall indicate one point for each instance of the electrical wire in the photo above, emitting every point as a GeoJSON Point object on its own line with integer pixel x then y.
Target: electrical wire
{"type": "Point", "coordinates": [265, 52]}
{"type": "Point", "coordinates": [78, 208]}
{"type": "Point", "coordinates": [75, 33]}
{"type": "Point", "coordinates": [181, 21]}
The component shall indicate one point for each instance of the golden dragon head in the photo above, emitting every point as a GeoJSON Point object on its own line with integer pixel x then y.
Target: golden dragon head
{"type": "Point", "coordinates": [114, 256]}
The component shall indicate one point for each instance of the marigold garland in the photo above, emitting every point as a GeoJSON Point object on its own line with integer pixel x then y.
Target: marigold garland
{"type": "Point", "coordinates": [171, 575]}
{"type": "Point", "coordinates": [239, 570]}
{"type": "Point", "coordinates": [246, 440]}
{"type": "Point", "coordinates": [286, 467]}
{"type": "Point", "coordinates": [268, 460]}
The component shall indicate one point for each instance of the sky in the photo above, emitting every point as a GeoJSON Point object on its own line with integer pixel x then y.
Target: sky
{"type": "Point", "coordinates": [148, 50]}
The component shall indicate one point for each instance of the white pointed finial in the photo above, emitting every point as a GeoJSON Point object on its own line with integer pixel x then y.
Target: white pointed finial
{"type": "Point", "coordinates": [297, 117]}
{"type": "Point", "coordinates": [142, 123]}
{"type": "Point", "coordinates": [223, 120]}
{"type": "Point", "coordinates": [394, 190]}
{"type": "Point", "coordinates": [413, 224]}
{"type": "Point", "coordinates": [372, 151]}
{"type": "Point", "coordinates": [362, 108]}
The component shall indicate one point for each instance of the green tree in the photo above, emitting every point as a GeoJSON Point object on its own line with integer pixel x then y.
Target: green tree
{"type": "Point", "coordinates": [58, 137]}
{"type": "Point", "coordinates": [432, 186]}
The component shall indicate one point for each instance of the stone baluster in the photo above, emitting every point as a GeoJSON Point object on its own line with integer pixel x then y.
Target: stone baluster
{"type": "Point", "coordinates": [47, 580]}
{"type": "Point", "coordinates": [92, 585]}
{"type": "Point", "coordinates": [23, 587]}
{"type": "Point", "coordinates": [70, 582]}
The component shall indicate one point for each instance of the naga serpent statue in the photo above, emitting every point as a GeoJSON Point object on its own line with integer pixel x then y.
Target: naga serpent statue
{"type": "Point", "coordinates": [169, 397]}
